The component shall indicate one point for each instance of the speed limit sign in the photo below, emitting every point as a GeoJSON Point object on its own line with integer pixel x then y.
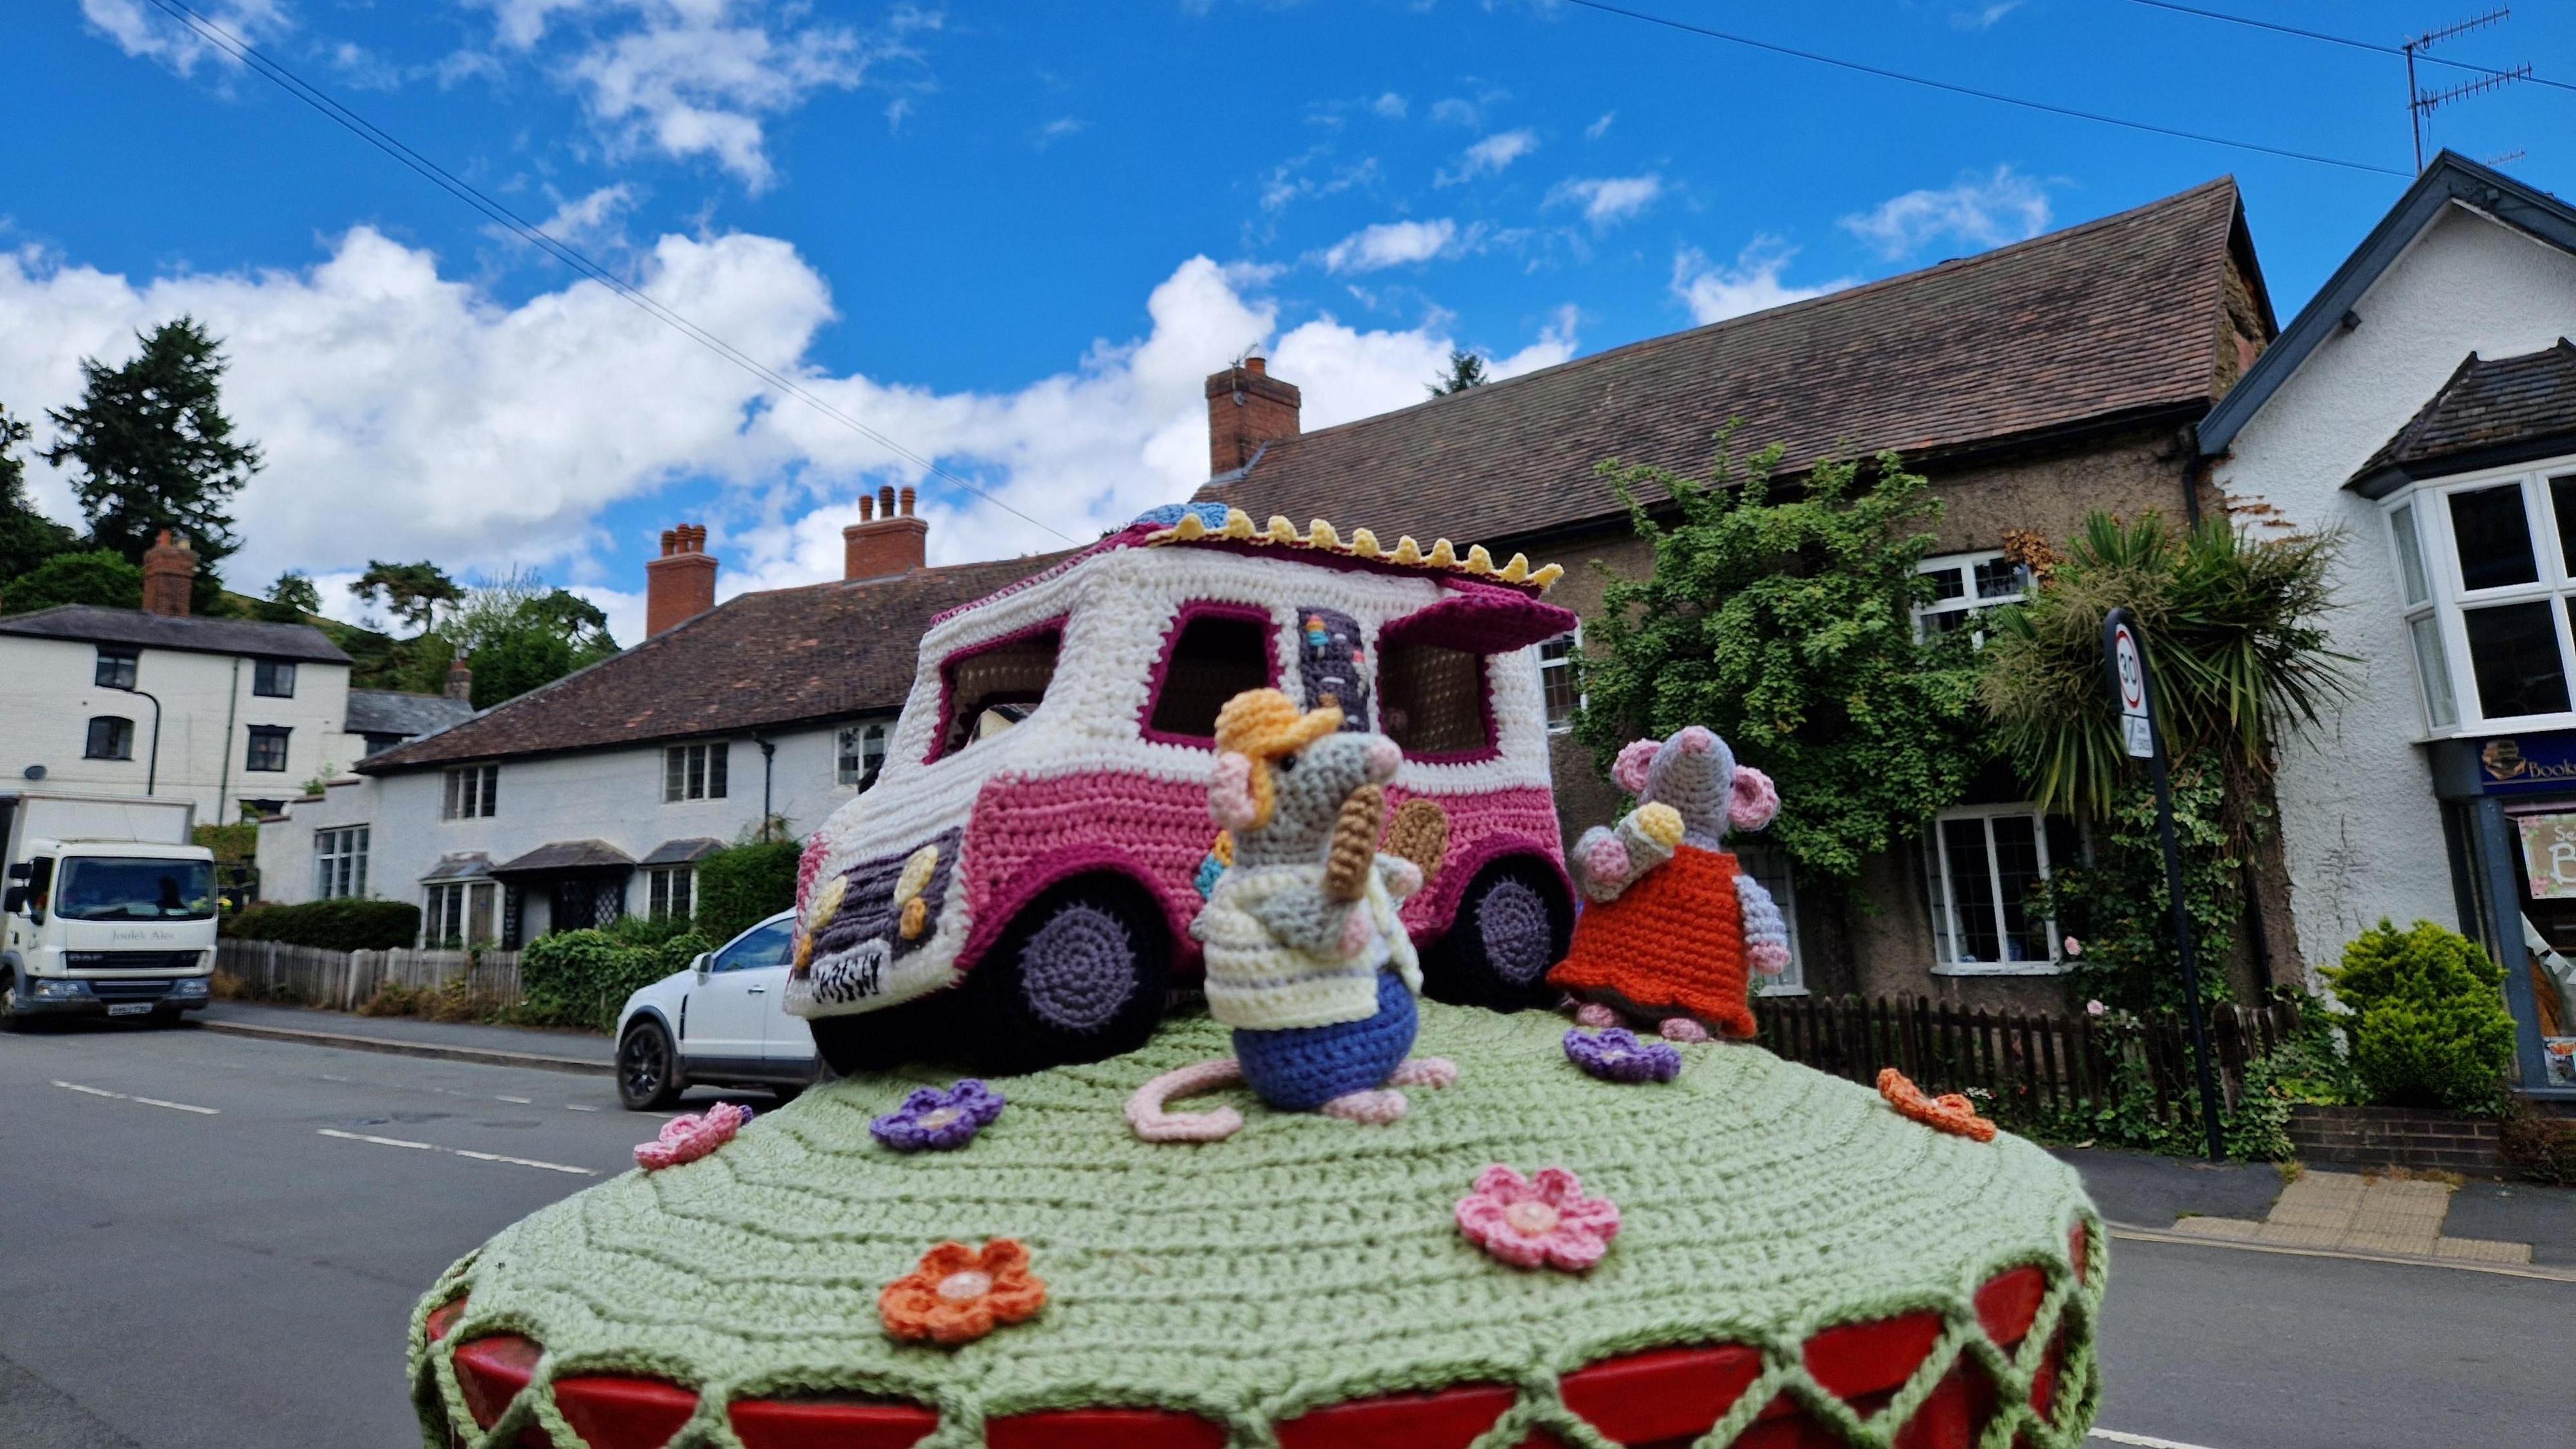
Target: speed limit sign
{"type": "Point", "coordinates": [2129, 686]}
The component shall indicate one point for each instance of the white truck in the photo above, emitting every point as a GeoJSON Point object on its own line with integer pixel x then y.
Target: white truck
{"type": "Point", "coordinates": [108, 907]}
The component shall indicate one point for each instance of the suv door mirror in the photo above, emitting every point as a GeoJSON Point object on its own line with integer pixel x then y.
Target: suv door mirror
{"type": "Point", "coordinates": [704, 963]}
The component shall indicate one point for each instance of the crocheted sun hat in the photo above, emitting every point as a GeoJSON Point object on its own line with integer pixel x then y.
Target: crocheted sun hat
{"type": "Point", "coordinates": [1751, 1253]}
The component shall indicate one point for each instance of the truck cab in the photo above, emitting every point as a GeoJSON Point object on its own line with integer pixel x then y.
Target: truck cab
{"type": "Point", "coordinates": [105, 909]}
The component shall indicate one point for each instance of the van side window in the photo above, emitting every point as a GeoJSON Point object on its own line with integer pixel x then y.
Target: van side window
{"type": "Point", "coordinates": [994, 687]}
{"type": "Point", "coordinates": [1431, 700]}
{"type": "Point", "coordinates": [1217, 653]}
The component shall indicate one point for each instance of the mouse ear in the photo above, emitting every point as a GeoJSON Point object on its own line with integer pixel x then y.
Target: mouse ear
{"type": "Point", "coordinates": [1230, 791]}
{"type": "Point", "coordinates": [1635, 765]}
{"type": "Point", "coordinates": [1753, 801]}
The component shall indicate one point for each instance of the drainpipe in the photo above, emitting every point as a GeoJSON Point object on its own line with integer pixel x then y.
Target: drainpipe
{"type": "Point", "coordinates": [2195, 476]}
{"type": "Point", "coordinates": [224, 781]}
{"type": "Point", "coordinates": [768, 751]}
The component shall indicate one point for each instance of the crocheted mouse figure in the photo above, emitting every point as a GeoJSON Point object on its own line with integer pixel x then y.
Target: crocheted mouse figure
{"type": "Point", "coordinates": [1671, 923]}
{"type": "Point", "coordinates": [1306, 957]}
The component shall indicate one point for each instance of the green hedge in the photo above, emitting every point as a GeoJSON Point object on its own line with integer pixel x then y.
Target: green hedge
{"type": "Point", "coordinates": [582, 978]}
{"type": "Point", "coordinates": [741, 886]}
{"type": "Point", "coordinates": [2427, 1019]}
{"type": "Point", "coordinates": [342, 925]}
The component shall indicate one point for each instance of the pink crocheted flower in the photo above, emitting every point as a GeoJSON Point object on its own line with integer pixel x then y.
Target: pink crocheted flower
{"type": "Point", "coordinates": [687, 1138]}
{"type": "Point", "coordinates": [1541, 1221]}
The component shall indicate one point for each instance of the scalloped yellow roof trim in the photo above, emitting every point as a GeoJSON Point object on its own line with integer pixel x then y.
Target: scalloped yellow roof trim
{"type": "Point", "coordinates": [1322, 536]}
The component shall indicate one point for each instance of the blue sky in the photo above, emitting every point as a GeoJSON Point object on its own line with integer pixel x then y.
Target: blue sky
{"type": "Point", "coordinates": [1015, 236]}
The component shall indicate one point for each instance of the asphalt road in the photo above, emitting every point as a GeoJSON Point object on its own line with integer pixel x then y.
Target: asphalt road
{"type": "Point", "coordinates": [241, 1273]}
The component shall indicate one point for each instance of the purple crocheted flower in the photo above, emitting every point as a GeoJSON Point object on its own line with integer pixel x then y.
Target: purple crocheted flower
{"type": "Point", "coordinates": [1617, 1055]}
{"type": "Point", "coordinates": [931, 1118]}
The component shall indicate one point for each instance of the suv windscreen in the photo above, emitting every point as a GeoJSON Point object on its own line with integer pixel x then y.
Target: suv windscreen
{"type": "Point", "coordinates": [105, 888]}
{"type": "Point", "coordinates": [766, 946]}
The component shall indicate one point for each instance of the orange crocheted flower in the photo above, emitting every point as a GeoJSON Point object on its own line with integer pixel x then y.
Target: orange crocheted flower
{"type": "Point", "coordinates": [959, 1294]}
{"type": "Point", "coordinates": [1949, 1113]}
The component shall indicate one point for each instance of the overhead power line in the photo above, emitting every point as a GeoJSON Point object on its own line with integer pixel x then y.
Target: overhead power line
{"type": "Point", "coordinates": [2351, 43]}
{"type": "Point", "coordinates": [1998, 97]}
{"type": "Point", "coordinates": [555, 247]}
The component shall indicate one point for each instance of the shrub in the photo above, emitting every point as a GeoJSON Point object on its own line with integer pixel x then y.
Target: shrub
{"type": "Point", "coordinates": [581, 978]}
{"type": "Point", "coordinates": [2542, 1149]}
{"type": "Point", "coordinates": [340, 925]}
{"type": "Point", "coordinates": [740, 886]}
{"type": "Point", "coordinates": [2426, 1017]}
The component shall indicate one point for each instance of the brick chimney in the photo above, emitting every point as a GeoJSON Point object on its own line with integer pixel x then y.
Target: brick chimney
{"type": "Point", "coordinates": [681, 584]}
{"type": "Point", "coordinates": [460, 679]}
{"type": "Point", "coordinates": [884, 542]}
{"type": "Point", "coordinates": [169, 573]}
{"type": "Point", "coordinates": [1247, 407]}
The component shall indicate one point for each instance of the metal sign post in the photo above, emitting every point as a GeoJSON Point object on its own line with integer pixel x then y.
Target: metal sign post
{"type": "Point", "coordinates": [2125, 654]}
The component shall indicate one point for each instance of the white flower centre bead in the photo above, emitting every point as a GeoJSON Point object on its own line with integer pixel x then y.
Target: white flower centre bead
{"type": "Point", "coordinates": [940, 1118]}
{"type": "Point", "coordinates": [965, 1287]}
{"type": "Point", "coordinates": [1531, 1219]}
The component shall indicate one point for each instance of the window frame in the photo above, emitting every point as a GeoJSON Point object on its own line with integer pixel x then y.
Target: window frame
{"type": "Point", "coordinates": [944, 725]}
{"type": "Point", "coordinates": [260, 734]}
{"type": "Point", "coordinates": [1190, 613]}
{"type": "Point", "coordinates": [850, 744]}
{"type": "Point", "coordinates": [1563, 664]}
{"type": "Point", "coordinates": [470, 792]}
{"type": "Point", "coordinates": [118, 666]}
{"type": "Point", "coordinates": [1969, 601]}
{"type": "Point", "coordinates": [442, 900]}
{"type": "Point", "coordinates": [696, 772]}
{"type": "Point", "coordinates": [1937, 868]}
{"type": "Point", "coordinates": [2449, 601]}
{"type": "Point", "coordinates": [89, 741]}
{"type": "Point", "coordinates": [340, 862]}
{"type": "Point", "coordinates": [267, 672]}
{"type": "Point", "coordinates": [670, 892]}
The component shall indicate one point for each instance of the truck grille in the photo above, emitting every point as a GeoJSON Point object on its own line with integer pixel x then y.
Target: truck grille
{"type": "Point", "coordinates": [129, 990]}
{"type": "Point", "coordinates": [130, 960]}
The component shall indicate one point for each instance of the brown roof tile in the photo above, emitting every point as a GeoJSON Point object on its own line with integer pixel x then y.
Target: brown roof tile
{"type": "Point", "coordinates": [2115, 319]}
{"type": "Point", "coordinates": [781, 657]}
{"type": "Point", "coordinates": [2487, 411]}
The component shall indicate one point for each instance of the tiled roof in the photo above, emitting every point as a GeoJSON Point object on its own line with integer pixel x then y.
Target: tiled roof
{"type": "Point", "coordinates": [567, 855]}
{"type": "Point", "coordinates": [683, 852]}
{"type": "Point", "coordinates": [781, 657]}
{"type": "Point", "coordinates": [395, 712]}
{"type": "Point", "coordinates": [2486, 412]}
{"type": "Point", "coordinates": [98, 624]}
{"type": "Point", "coordinates": [2116, 320]}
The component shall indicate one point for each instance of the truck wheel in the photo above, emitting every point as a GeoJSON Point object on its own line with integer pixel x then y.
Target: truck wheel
{"type": "Point", "coordinates": [1513, 923]}
{"type": "Point", "coordinates": [648, 1071]}
{"type": "Point", "coordinates": [1079, 976]}
{"type": "Point", "coordinates": [11, 1019]}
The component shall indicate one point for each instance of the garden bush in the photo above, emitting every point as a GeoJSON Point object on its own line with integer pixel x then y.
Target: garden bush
{"type": "Point", "coordinates": [2426, 1017]}
{"type": "Point", "coordinates": [348, 924]}
{"type": "Point", "coordinates": [581, 978]}
{"type": "Point", "coordinates": [741, 885]}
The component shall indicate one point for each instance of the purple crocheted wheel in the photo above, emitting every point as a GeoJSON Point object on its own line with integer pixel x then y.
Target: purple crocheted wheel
{"type": "Point", "coordinates": [1079, 968]}
{"type": "Point", "coordinates": [1617, 1055]}
{"type": "Point", "coordinates": [939, 1120]}
{"type": "Point", "coordinates": [1512, 922]}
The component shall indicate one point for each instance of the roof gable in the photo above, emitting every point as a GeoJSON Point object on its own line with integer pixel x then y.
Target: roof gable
{"type": "Point", "coordinates": [2490, 413]}
{"type": "Point", "coordinates": [2451, 178]}
{"type": "Point", "coordinates": [2114, 322]}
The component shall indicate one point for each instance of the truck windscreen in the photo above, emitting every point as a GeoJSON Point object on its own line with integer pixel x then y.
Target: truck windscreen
{"type": "Point", "coordinates": [105, 888]}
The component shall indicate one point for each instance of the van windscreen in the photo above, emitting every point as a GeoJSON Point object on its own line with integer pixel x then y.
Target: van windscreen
{"type": "Point", "coordinates": [995, 687]}
{"type": "Point", "coordinates": [1215, 657]}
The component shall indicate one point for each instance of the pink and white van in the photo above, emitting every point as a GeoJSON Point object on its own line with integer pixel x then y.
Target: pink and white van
{"type": "Point", "coordinates": [1037, 836]}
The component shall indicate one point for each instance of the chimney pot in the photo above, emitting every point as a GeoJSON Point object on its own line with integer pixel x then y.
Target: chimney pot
{"type": "Point", "coordinates": [681, 584]}
{"type": "Point", "coordinates": [885, 499]}
{"type": "Point", "coordinates": [460, 679]}
{"type": "Point", "coordinates": [907, 500]}
{"type": "Point", "coordinates": [867, 508]}
{"type": "Point", "coordinates": [1246, 409]}
{"type": "Point", "coordinates": [169, 574]}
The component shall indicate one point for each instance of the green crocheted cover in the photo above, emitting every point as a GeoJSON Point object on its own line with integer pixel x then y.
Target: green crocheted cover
{"type": "Point", "coordinates": [1304, 1262]}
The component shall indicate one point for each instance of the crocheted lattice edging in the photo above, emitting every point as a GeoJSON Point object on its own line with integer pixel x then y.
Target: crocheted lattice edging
{"type": "Point", "coordinates": [1305, 1262]}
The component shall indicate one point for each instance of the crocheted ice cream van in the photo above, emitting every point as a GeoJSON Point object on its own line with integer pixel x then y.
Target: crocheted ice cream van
{"type": "Point", "coordinates": [1036, 837]}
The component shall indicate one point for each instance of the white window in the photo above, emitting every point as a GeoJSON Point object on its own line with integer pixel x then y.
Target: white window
{"type": "Point", "coordinates": [458, 913]}
{"type": "Point", "coordinates": [1986, 865]}
{"type": "Point", "coordinates": [862, 754]}
{"type": "Point", "coordinates": [2486, 572]}
{"type": "Point", "coordinates": [1965, 583]}
{"type": "Point", "coordinates": [693, 772]}
{"type": "Point", "coordinates": [340, 862]}
{"type": "Point", "coordinates": [1556, 679]}
{"type": "Point", "coordinates": [273, 677]}
{"type": "Point", "coordinates": [669, 891]}
{"type": "Point", "coordinates": [472, 792]}
{"type": "Point", "coordinates": [1769, 865]}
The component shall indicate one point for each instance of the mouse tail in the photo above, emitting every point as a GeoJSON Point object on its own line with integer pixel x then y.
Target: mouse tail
{"type": "Point", "coordinates": [1145, 1112]}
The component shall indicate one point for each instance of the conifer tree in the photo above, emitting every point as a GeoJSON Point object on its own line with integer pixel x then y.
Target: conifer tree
{"type": "Point", "coordinates": [154, 448]}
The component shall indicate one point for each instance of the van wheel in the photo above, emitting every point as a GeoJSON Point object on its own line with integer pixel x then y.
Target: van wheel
{"type": "Point", "coordinates": [1513, 923]}
{"type": "Point", "coordinates": [1079, 976]}
{"type": "Point", "coordinates": [648, 1071]}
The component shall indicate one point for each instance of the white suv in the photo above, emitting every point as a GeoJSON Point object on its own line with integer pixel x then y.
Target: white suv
{"type": "Point", "coordinates": [717, 1023]}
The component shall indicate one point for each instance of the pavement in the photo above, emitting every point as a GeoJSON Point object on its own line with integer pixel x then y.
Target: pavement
{"type": "Point", "coordinates": [220, 1238]}
{"type": "Point", "coordinates": [506, 1046]}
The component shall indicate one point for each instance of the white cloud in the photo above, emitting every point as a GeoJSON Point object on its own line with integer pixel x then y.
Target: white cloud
{"type": "Point", "coordinates": [1390, 106]}
{"type": "Point", "coordinates": [590, 219]}
{"type": "Point", "coordinates": [1608, 200]}
{"type": "Point", "coordinates": [1984, 17]}
{"type": "Point", "coordinates": [697, 78]}
{"type": "Point", "coordinates": [1600, 128]}
{"type": "Point", "coordinates": [409, 415]}
{"type": "Point", "coordinates": [1489, 155]}
{"type": "Point", "coordinates": [1750, 283]}
{"type": "Point", "coordinates": [1058, 129]}
{"type": "Point", "coordinates": [1980, 211]}
{"type": "Point", "coordinates": [145, 32]}
{"type": "Point", "coordinates": [1392, 244]}
{"type": "Point", "coordinates": [1292, 180]}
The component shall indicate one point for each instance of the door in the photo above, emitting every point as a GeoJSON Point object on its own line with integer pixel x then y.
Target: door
{"type": "Point", "coordinates": [729, 1012]}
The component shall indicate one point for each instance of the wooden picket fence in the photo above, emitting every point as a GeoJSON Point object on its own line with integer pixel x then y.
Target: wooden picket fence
{"type": "Point", "coordinates": [2031, 1065]}
{"type": "Point", "coordinates": [344, 980]}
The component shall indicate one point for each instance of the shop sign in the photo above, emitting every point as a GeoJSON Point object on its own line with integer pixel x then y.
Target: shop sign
{"type": "Point", "coordinates": [2549, 855]}
{"type": "Point", "coordinates": [2519, 764]}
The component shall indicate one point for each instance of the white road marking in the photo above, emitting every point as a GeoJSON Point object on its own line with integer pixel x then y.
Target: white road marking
{"type": "Point", "coordinates": [2142, 1441]}
{"type": "Point", "coordinates": [577, 1107]}
{"type": "Point", "coordinates": [522, 1101]}
{"type": "Point", "coordinates": [457, 1152]}
{"type": "Point", "coordinates": [146, 1101]}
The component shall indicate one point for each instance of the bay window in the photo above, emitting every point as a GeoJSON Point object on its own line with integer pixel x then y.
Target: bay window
{"type": "Point", "coordinates": [2486, 572]}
